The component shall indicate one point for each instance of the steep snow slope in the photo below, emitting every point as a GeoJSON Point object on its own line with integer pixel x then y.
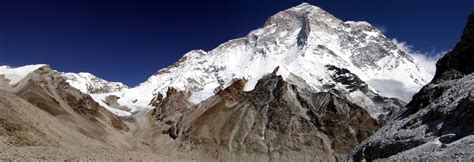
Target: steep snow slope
{"type": "Point", "coordinates": [14, 75]}
{"type": "Point", "coordinates": [94, 86]}
{"type": "Point", "coordinates": [302, 40]}
{"type": "Point", "coordinates": [90, 84]}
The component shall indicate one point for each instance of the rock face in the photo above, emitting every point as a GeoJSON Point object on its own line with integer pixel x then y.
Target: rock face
{"type": "Point", "coordinates": [276, 117]}
{"type": "Point", "coordinates": [381, 108]}
{"type": "Point", "coordinates": [47, 92]}
{"type": "Point", "coordinates": [458, 62]}
{"type": "Point", "coordinates": [438, 122]}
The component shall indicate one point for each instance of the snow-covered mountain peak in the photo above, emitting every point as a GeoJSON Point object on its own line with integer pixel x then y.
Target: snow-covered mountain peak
{"type": "Point", "coordinates": [304, 10]}
{"type": "Point", "coordinates": [194, 54]}
{"type": "Point", "coordinates": [85, 82]}
{"type": "Point", "coordinates": [302, 40]}
{"type": "Point", "coordinates": [90, 84]}
{"type": "Point", "coordinates": [304, 16]}
{"type": "Point", "coordinates": [86, 74]}
{"type": "Point", "coordinates": [188, 57]}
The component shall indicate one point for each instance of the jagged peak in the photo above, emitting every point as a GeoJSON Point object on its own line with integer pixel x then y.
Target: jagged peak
{"type": "Point", "coordinates": [92, 76]}
{"type": "Point", "coordinates": [306, 7]}
{"type": "Point", "coordinates": [195, 53]}
{"type": "Point", "coordinates": [306, 13]}
{"type": "Point", "coordinates": [296, 17]}
{"type": "Point", "coordinates": [229, 43]}
{"type": "Point", "coordinates": [358, 23]}
{"type": "Point", "coordinates": [468, 33]}
{"type": "Point", "coordinates": [296, 40]}
{"type": "Point", "coordinates": [86, 74]}
{"type": "Point", "coordinates": [302, 12]}
{"type": "Point", "coordinates": [192, 54]}
{"type": "Point", "coordinates": [90, 84]}
{"type": "Point", "coordinates": [458, 62]}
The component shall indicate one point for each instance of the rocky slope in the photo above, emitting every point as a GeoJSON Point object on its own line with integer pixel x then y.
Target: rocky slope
{"type": "Point", "coordinates": [438, 122]}
{"type": "Point", "coordinates": [84, 82]}
{"type": "Point", "coordinates": [306, 41]}
{"type": "Point", "coordinates": [47, 91]}
{"type": "Point", "coordinates": [276, 118]}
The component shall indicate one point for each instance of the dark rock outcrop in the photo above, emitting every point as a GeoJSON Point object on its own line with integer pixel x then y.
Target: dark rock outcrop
{"type": "Point", "coordinates": [459, 62]}
{"type": "Point", "coordinates": [438, 122]}
{"type": "Point", "coordinates": [275, 118]}
{"type": "Point", "coordinates": [388, 107]}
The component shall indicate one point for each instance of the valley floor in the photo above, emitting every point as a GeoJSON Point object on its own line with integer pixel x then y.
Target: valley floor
{"type": "Point", "coordinates": [108, 154]}
{"type": "Point", "coordinates": [57, 153]}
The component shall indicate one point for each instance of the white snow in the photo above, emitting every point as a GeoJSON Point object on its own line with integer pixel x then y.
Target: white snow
{"type": "Point", "coordinates": [100, 98]}
{"type": "Point", "coordinates": [202, 73]}
{"type": "Point", "coordinates": [301, 41]}
{"type": "Point", "coordinates": [18, 73]}
{"type": "Point", "coordinates": [81, 81]}
{"type": "Point", "coordinates": [85, 82]}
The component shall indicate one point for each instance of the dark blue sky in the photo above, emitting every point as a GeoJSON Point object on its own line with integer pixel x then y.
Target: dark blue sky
{"type": "Point", "coordinates": [130, 40]}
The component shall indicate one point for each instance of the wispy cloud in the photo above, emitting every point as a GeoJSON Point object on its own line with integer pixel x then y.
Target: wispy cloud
{"type": "Point", "coordinates": [426, 59]}
{"type": "Point", "coordinates": [393, 88]}
{"type": "Point", "coordinates": [381, 28]}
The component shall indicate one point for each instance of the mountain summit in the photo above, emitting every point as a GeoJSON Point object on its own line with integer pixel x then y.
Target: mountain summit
{"type": "Point", "coordinates": [309, 45]}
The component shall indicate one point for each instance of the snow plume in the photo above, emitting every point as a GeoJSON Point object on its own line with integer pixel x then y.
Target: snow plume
{"type": "Point", "coordinates": [381, 28]}
{"type": "Point", "coordinates": [426, 59]}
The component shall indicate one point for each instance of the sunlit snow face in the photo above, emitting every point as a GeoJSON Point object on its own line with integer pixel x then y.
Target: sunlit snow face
{"type": "Point", "coordinates": [301, 40]}
{"type": "Point", "coordinates": [14, 75]}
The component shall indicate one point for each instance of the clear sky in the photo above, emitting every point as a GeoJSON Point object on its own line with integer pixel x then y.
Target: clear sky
{"type": "Point", "coordinates": [130, 40]}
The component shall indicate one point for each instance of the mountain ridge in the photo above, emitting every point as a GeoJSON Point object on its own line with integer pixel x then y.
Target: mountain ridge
{"type": "Point", "coordinates": [302, 39]}
{"type": "Point", "coordinates": [438, 122]}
